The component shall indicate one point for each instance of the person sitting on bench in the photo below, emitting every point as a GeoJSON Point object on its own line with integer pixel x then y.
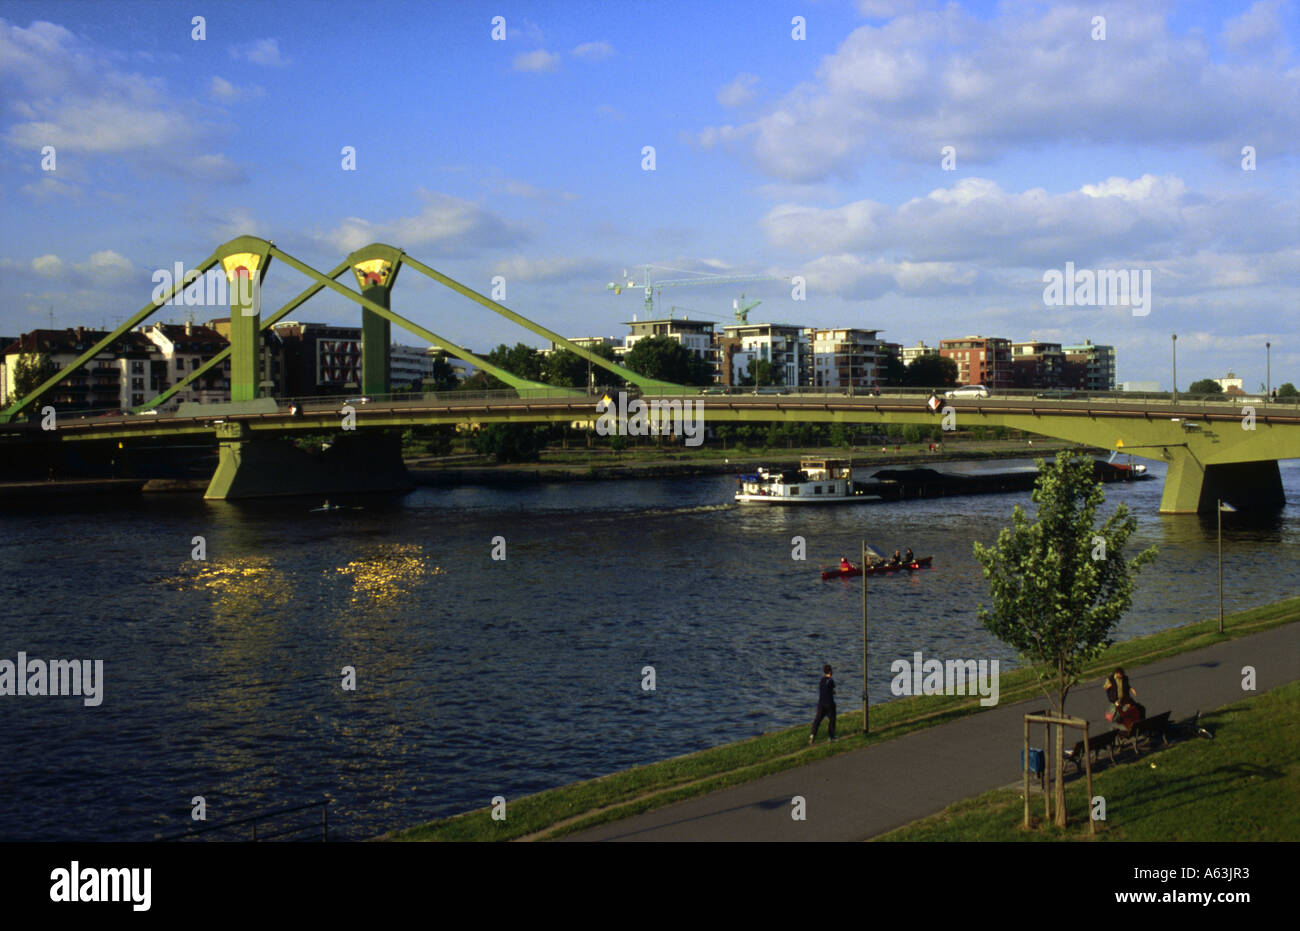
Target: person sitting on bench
{"type": "Point", "coordinates": [1125, 710]}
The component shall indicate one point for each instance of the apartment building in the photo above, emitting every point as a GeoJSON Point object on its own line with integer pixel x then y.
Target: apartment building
{"type": "Point", "coordinates": [843, 358]}
{"type": "Point", "coordinates": [980, 360]}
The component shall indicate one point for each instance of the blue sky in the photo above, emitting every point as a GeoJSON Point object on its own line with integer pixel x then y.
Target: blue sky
{"type": "Point", "coordinates": [818, 157]}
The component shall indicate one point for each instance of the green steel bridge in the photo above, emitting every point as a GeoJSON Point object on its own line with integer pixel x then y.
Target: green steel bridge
{"type": "Point", "coordinates": [1213, 449]}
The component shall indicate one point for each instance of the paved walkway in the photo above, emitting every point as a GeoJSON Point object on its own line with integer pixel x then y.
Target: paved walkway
{"type": "Point", "coordinates": [865, 792]}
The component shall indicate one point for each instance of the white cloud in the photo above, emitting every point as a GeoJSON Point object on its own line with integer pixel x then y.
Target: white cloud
{"type": "Point", "coordinates": [540, 60]}
{"type": "Point", "coordinates": [518, 188]}
{"type": "Point", "coordinates": [221, 89]}
{"type": "Point", "coordinates": [260, 52]}
{"type": "Point", "coordinates": [49, 266]}
{"type": "Point", "coordinates": [1258, 27]}
{"type": "Point", "coordinates": [447, 224]}
{"type": "Point", "coordinates": [523, 268]}
{"type": "Point", "coordinates": [71, 95]}
{"type": "Point", "coordinates": [739, 91]}
{"type": "Point", "coordinates": [102, 266]}
{"type": "Point", "coordinates": [50, 187]}
{"type": "Point", "coordinates": [593, 51]}
{"type": "Point", "coordinates": [1026, 78]}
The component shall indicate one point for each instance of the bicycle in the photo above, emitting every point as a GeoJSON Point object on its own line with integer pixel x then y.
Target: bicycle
{"type": "Point", "coordinates": [1192, 728]}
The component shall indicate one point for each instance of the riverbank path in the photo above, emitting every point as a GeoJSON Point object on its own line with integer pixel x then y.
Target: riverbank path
{"type": "Point", "coordinates": [862, 793]}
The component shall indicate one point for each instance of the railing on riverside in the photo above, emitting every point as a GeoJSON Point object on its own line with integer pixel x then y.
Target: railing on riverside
{"type": "Point", "coordinates": [253, 821]}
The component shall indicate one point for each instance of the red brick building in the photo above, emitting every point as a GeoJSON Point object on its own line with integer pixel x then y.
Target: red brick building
{"type": "Point", "coordinates": [981, 360]}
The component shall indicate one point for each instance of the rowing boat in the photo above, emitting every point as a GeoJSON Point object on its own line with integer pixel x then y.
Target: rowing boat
{"type": "Point", "coordinates": [881, 569]}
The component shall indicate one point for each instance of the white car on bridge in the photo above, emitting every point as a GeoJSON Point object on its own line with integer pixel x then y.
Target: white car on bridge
{"type": "Point", "coordinates": [970, 391]}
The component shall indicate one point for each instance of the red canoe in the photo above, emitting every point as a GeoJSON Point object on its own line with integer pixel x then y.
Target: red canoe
{"type": "Point", "coordinates": [886, 569]}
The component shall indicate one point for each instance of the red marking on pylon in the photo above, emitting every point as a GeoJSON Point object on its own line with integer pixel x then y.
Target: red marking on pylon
{"type": "Point", "coordinates": [373, 278]}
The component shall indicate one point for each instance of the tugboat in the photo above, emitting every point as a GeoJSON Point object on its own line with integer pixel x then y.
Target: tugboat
{"type": "Point", "coordinates": [1128, 471]}
{"type": "Point", "coordinates": [816, 481]}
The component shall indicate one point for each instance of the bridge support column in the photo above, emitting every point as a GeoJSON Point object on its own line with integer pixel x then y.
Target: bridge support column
{"type": "Point", "coordinates": [250, 467]}
{"type": "Point", "coordinates": [376, 268]}
{"type": "Point", "coordinates": [244, 261]}
{"type": "Point", "coordinates": [1191, 488]}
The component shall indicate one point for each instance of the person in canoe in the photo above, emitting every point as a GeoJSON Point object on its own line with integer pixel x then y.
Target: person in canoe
{"type": "Point", "coordinates": [896, 559]}
{"type": "Point", "coordinates": [908, 557]}
{"type": "Point", "coordinates": [845, 565]}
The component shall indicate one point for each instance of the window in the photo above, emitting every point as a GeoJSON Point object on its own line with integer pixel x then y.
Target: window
{"type": "Point", "coordinates": [817, 489]}
{"type": "Point", "coordinates": [794, 490]}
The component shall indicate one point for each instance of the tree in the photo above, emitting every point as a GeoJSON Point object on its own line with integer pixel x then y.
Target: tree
{"type": "Point", "coordinates": [766, 375]}
{"type": "Point", "coordinates": [665, 359]}
{"type": "Point", "coordinates": [442, 377]}
{"type": "Point", "coordinates": [1060, 585]}
{"type": "Point", "coordinates": [32, 370]}
{"type": "Point", "coordinates": [510, 442]}
{"type": "Point", "coordinates": [568, 369]}
{"type": "Point", "coordinates": [1286, 390]}
{"type": "Point", "coordinates": [1205, 386]}
{"type": "Point", "coordinates": [564, 368]}
{"type": "Point", "coordinates": [891, 372]}
{"type": "Point", "coordinates": [931, 371]}
{"type": "Point", "coordinates": [521, 359]}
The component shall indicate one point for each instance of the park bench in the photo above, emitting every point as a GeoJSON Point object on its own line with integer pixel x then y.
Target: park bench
{"type": "Point", "coordinates": [1148, 729]}
{"type": "Point", "coordinates": [1096, 744]}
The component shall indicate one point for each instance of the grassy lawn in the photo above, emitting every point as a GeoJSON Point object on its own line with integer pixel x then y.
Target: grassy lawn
{"type": "Point", "coordinates": [1242, 786]}
{"type": "Point", "coordinates": [574, 807]}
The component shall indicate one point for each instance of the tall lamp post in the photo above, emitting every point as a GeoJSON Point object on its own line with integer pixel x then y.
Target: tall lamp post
{"type": "Point", "coordinates": [865, 726]}
{"type": "Point", "coordinates": [1219, 510]}
{"type": "Point", "coordinates": [1173, 341]}
{"type": "Point", "coordinates": [1268, 369]}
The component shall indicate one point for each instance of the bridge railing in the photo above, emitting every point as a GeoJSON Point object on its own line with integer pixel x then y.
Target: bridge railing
{"type": "Point", "coordinates": [319, 403]}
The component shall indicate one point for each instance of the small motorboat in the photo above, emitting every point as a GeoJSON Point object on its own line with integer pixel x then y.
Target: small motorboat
{"type": "Point", "coordinates": [878, 569]}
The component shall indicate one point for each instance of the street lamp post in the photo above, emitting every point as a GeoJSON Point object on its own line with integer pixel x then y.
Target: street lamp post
{"type": "Point", "coordinates": [1219, 512]}
{"type": "Point", "coordinates": [863, 566]}
{"type": "Point", "coordinates": [1173, 341]}
{"type": "Point", "coordinates": [1268, 370]}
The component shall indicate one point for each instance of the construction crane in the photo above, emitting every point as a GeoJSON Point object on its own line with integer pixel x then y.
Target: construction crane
{"type": "Point", "coordinates": [650, 286]}
{"type": "Point", "coordinates": [742, 309]}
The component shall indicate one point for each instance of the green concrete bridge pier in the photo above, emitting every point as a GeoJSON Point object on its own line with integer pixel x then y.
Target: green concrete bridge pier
{"type": "Point", "coordinates": [1192, 488]}
{"type": "Point", "coordinates": [263, 467]}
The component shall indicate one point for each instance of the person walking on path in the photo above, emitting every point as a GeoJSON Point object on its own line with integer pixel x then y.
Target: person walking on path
{"type": "Point", "coordinates": [825, 705]}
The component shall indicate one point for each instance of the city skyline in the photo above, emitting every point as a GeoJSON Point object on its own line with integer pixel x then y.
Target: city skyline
{"type": "Point", "coordinates": [822, 157]}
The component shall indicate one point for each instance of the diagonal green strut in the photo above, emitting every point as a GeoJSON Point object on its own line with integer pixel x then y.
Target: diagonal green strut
{"type": "Point", "coordinates": [145, 312]}
{"type": "Point", "coordinates": [635, 378]}
{"type": "Point", "coordinates": [511, 379]}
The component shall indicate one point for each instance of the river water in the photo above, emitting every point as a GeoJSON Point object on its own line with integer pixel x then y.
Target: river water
{"type": "Point", "coordinates": [478, 677]}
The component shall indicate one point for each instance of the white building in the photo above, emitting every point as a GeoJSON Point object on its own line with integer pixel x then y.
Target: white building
{"type": "Point", "coordinates": [784, 345]}
{"type": "Point", "coordinates": [185, 348]}
{"type": "Point", "coordinates": [408, 365]}
{"type": "Point", "coordinates": [1230, 384]}
{"type": "Point", "coordinates": [911, 353]}
{"type": "Point", "coordinates": [844, 357]}
{"type": "Point", "coordinates": [695, 335]}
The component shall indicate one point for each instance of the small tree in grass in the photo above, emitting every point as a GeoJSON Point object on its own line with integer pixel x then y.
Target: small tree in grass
{"type": "Point", "coordinates": [1060, 585]}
